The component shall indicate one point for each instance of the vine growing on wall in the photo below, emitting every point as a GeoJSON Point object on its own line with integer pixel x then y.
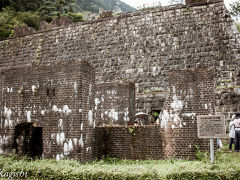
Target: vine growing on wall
{"type": "Point", "coordinates": [131, 131]}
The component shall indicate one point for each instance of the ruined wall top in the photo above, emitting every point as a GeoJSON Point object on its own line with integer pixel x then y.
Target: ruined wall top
{"type": "Point", "coordinates": [24, 31]}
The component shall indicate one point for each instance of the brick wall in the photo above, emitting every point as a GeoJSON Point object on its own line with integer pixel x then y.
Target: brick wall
{"type": "Point", "coordinates": [142, 47]}
{"type": "Point", "coordinates": [115, 103]}
{"type": "Point", "coordinates": [57, 97]}
{"type": "Point", "coordinates": [191, 94]}
{"type": "Point", "coordinates": [140, 142]}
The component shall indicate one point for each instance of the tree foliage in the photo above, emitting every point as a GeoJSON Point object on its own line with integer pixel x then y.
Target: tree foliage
{"type": "Point", "coordinates": [8, 21]}
{"type": "Point", "coordinates": [4, 3]}
{"type": "Point", "coordinates": [55, 8]}
{"type": "Point", "coordinates": [25, 5]}
{"type": "Point", "coordinates": [15, 13]}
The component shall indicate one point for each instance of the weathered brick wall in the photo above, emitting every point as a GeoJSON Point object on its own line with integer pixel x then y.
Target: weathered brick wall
{"type": "Point", "coordinates": [191, 94]}
{"type": "Point", "coordinates": [115, 103]}
{"type": "Point", "coordinates": [57, 97]}
{"type": "Point", "coordinates": [140, 142]}
{"type": "Point", "coordinates": [142, 47]}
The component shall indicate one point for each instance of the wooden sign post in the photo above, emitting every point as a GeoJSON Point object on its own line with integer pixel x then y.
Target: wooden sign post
{"type": "Point", "coordinates": [211, 126]}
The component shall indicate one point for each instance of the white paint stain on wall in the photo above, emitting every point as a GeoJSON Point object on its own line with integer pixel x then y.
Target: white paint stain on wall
{"type": "Point", "coordinates": [68, 147]}
{"type": "Point", "coordinates": [34, 88]}
{"type": "Point", "coordinates": [126, 115]}
{"type": "Point", "coordinates": [7, 113]}
{"type": "Point", "coordinates": [165, 118]}
{"type": "Point", "coordinates": [60, 124]}
{"type": "Point", "coordinates": [189, 114]}
{"type": "Point", "coordinates": [4, 140]}
{"type": "Point", "coordinates": [66, 110]}
{"type": "Point", "coordinates": [75, 87]}
{"type": "Point", "coordinates": [53, 136]}
{"type": "Point", "coordinates": [19, 112]}
{"type": "Point", "coordinates": [173, 115]}
{"type": "Point", "coordinates": [206, 106]}
{"type": "Point", "coordinates": [90, 89]}
{"type": "Point", "coordinates": [75, 141]}
{"type": "Point", "coordinates": [9, 90]}
{"type": "Point", "coordinates": [28, 116]}
{"type": "Point", "coordinates": [177, 104]}
{"type": "Point", "coordinates": [81, 128]}
{"type": "Point", "coordinates": [43, 112]}
{"type": "Point", "coordinates": [59, 157]}
{"type": "Point", "coordinates": [88, 149]}
{"type": "Point", "coordinates": [60, 138]}
{"type": "Point", "coordinates": [90, 117]}
{"type": "Point", "coordinates": [65, 149]}
{"type": "Point", "coordinates": [55, 108]}
{"type": "Point", "coordinates": [112, 114]}
{"type": "Point", "coordinates": [81, 141]}
{"type": "Point", "coordinates": [97, 102]}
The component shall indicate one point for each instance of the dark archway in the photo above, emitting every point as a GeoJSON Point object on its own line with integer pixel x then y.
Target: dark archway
{"type": "Point", "coordinates": [28, 140]}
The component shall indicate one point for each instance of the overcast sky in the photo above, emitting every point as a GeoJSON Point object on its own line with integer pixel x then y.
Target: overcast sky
{"type": "Point", "coordinates": [140, 3]}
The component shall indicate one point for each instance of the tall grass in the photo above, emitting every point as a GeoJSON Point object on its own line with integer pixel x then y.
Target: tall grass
{"type": "Point", "coordinates": [227, 166]}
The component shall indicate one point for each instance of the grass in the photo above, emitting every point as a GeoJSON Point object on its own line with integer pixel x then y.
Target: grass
{"type": "Point", "coordinates": [227, 166]}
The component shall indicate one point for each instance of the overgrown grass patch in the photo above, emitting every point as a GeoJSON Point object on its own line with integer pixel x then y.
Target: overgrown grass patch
{"type": "Point", "coordinates": [227, 166]}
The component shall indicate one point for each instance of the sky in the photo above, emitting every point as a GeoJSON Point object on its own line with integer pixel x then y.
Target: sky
{"type": "Point", "coordinates": [147, 3]}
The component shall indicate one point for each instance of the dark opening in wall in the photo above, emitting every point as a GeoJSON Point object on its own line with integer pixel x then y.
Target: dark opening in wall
{"type": "Point", "coordinates": [154, 115]}
{"type": "Point", "coordinates": [50, 92]}
{"type": "Point", "coordinates": [28, 140]}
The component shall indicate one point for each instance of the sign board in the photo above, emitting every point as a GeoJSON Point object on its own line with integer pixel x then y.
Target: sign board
{"type": "Point", "coordinates": [211, 126]}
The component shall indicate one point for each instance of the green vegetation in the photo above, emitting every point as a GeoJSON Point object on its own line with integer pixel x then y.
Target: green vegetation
{"type": "Point", "coordinates": [226, 167]}
{"type": "Point", "coordinates": [50, 9]}
{"type": "Point", "coordinates": [238, 26]}
{"type": "Point", "coordinates": [31, 12]}
{"type": "Point", "coordinates": [131, 131]}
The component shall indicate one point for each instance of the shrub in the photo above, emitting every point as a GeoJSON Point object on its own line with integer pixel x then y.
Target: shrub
{"type": "Point", "coordinates": [75, 17]}
{"type": "Point", "coordinates": [32, 19]}
{"type": "Point", "coordinates": [8, 21]}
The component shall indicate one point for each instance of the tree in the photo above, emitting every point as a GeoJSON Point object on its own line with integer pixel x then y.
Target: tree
{"type": "Point", "coordinates": [8, 21]}
{"type": "Point", "coordinates": [55, 8]}
{"type": "Point", "coordinates": [15, 13]}
{"type": "Point", "coordinates": [4, 3]}
{"type": "Point", "coordinates": [25, 5]}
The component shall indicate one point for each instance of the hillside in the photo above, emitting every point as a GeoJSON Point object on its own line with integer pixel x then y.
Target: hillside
{"type": "Point", "coordinates": [95, 5]}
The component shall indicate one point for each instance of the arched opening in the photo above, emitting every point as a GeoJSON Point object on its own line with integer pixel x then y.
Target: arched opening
{"type": "Point", "coordinates": [28, 140]}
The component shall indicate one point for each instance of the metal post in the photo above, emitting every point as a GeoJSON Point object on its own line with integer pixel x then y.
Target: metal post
{"type": "Point", "coordinates": [212, 150]}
